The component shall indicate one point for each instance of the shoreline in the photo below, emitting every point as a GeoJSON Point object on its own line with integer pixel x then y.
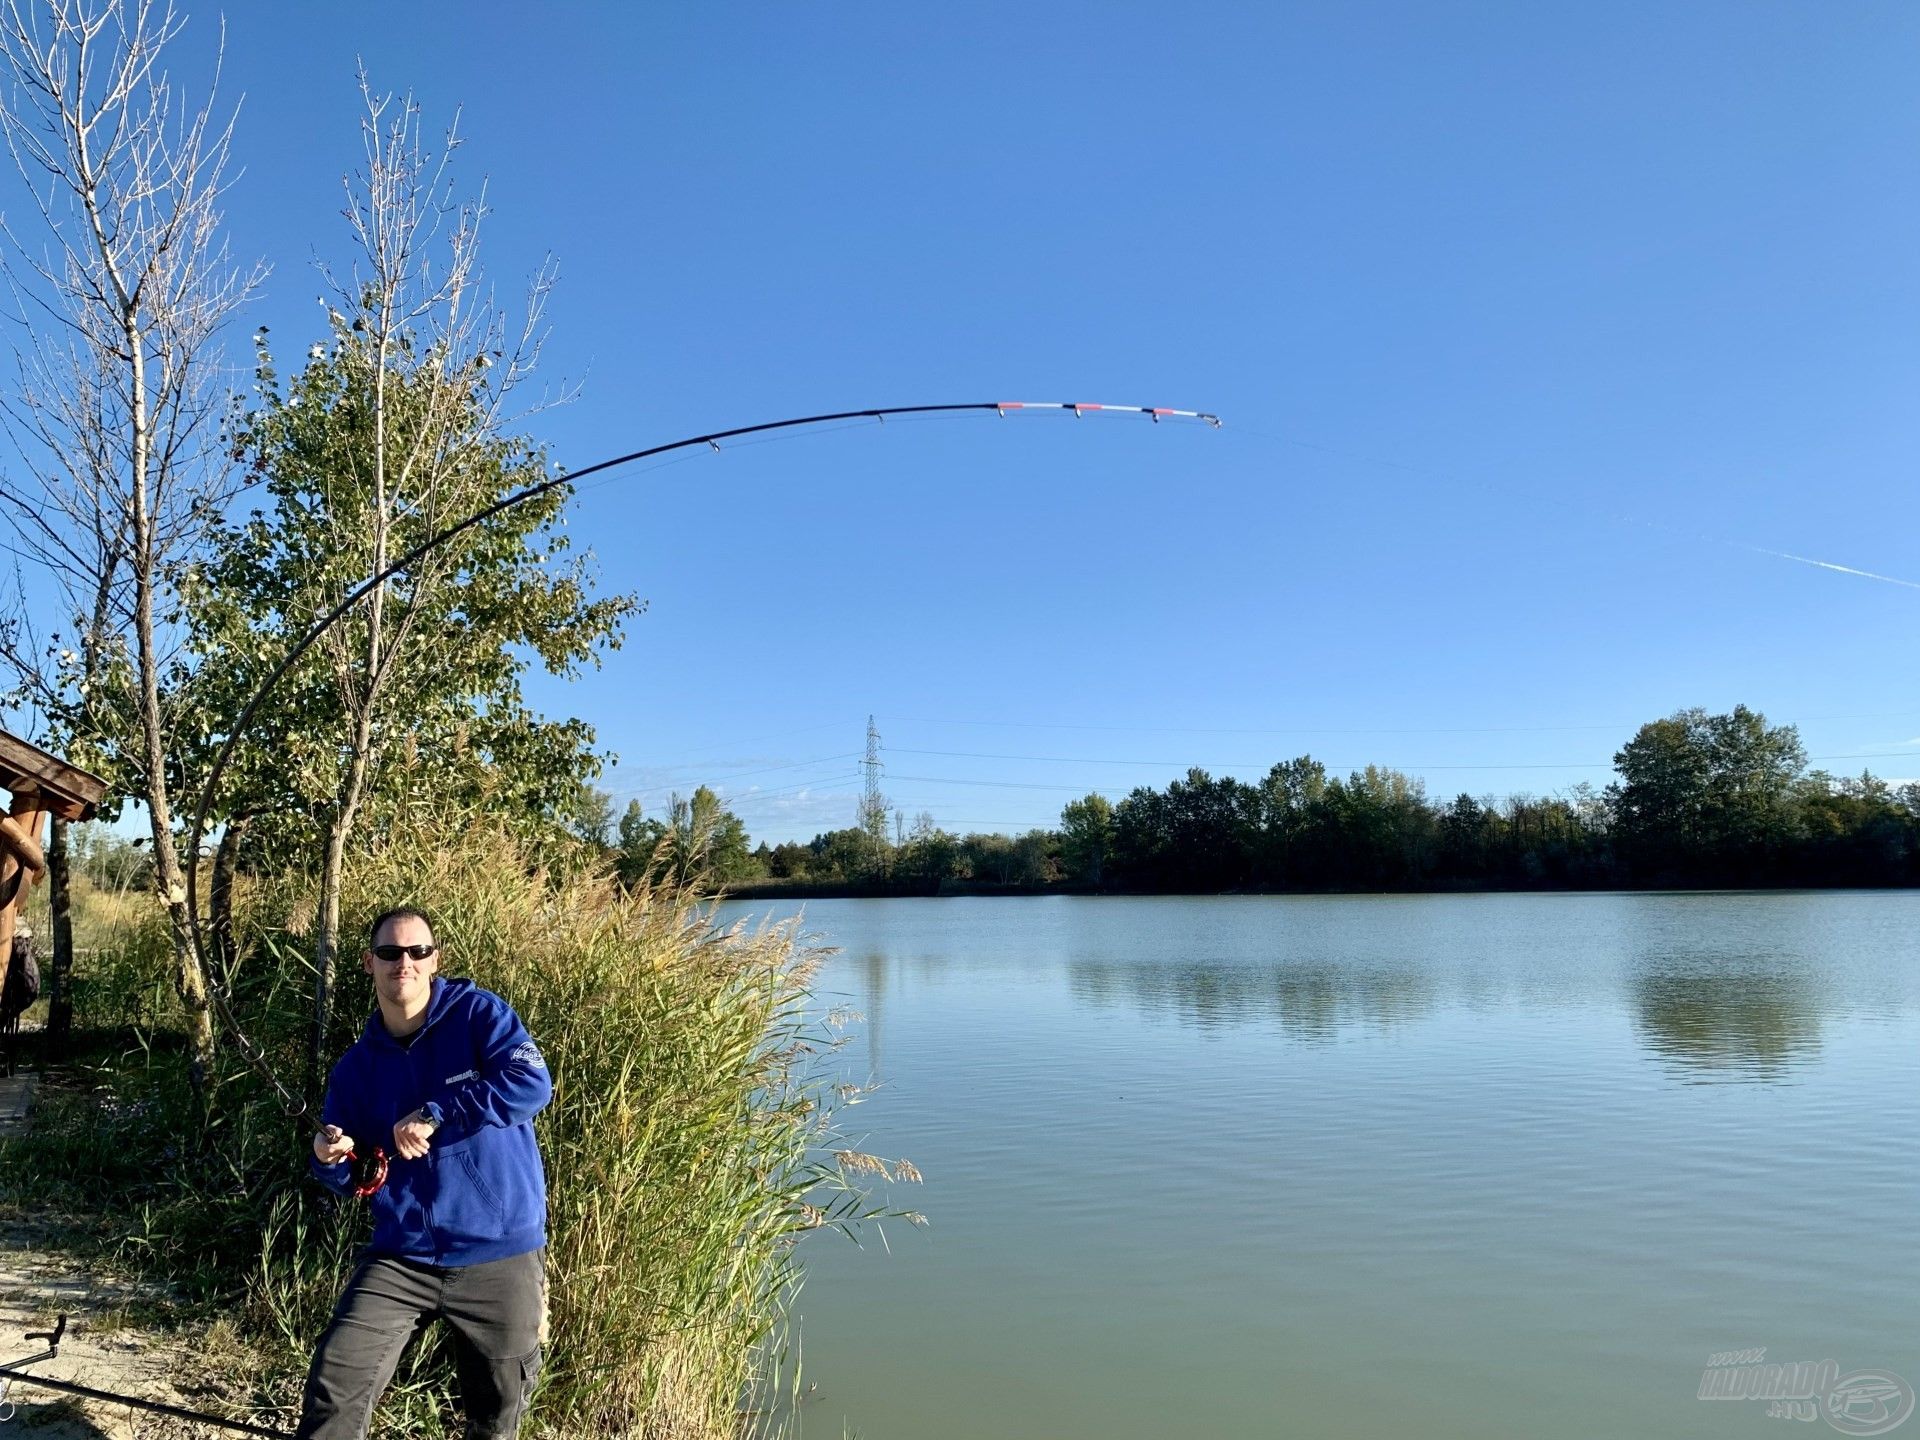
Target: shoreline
{"type": "Point", "coordinates": [956, 890]}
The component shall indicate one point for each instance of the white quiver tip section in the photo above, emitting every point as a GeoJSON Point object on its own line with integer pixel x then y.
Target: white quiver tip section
{"type": "Point", "coordinates": [1083, 408]}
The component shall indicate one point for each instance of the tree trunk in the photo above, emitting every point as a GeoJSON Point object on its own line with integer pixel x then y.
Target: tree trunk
{"type": "Point", "coordinates": [189, 979]}
{"type": "Point", "coordinates": [60, 975]}
{"type": "Point", "coordinates": [326, 951]}
{"type": "Point", "coordinates": [326, 938]}
{"type": "Point", "coordinates": [226, 862]}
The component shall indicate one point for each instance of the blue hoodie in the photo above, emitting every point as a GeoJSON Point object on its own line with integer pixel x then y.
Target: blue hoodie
{"type": "Point", "coordinates": [479, 1192]}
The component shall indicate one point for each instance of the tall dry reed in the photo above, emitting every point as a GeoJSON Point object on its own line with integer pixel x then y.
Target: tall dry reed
{"type": "Point", "coordinates": [678, 1139]}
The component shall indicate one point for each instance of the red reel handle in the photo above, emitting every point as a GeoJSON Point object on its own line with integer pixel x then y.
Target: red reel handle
{"type": "Point", "coordinates": [369, 1172]}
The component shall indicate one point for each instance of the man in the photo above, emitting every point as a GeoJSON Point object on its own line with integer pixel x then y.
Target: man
{"type": "Point", "coordinates": [20, 988]}
{"type": "Point", "coordinates": [446, 1079]}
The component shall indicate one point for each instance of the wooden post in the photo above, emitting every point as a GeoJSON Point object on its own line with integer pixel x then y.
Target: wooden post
{"type": "Point", "coordinates": [22, 862]}
{"type": "Point", "coordinates": [60, 971]}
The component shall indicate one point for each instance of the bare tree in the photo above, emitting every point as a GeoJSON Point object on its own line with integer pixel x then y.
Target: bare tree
{"type": "Point", "coordinates": [124, 290]}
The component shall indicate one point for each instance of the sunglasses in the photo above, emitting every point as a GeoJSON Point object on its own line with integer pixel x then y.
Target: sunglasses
{"type": "Point", "coordinates": [392, 953]}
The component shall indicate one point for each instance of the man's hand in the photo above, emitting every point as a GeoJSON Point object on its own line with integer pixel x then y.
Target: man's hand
{"type": "Point", "coordinates": [411, 1133]}
{"type": "Point", "coordinates": [332, 1145]}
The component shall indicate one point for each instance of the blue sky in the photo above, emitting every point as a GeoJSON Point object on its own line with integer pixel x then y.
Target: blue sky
{"type": "Point", "coordinates": [1525, 322]}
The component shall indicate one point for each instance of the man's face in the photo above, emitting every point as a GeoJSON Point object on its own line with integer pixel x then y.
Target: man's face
{"type": "Point", "coordinates": [406, 981]}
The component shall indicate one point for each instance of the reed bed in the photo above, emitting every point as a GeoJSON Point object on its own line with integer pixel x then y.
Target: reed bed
{"type": "Point", "coordinates": [689, 1143]}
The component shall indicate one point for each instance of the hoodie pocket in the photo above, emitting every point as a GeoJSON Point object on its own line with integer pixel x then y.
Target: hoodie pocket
{"type": "Point", "coordinates": [480, 1186]}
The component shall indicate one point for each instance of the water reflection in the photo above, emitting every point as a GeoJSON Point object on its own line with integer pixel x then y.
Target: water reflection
{"type": "Point", "coordinates": [874, 965]}
{"type": "Point", "coordinates": [1725, 1022]}
{"type": "Point", "coordinates": [1308, 1000]}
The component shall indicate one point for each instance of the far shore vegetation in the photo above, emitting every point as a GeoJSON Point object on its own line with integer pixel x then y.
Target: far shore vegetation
{"type": "Point", "coordinates": [1699, 801]}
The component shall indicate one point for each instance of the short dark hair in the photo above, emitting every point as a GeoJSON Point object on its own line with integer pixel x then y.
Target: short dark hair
{"type": "Point", "coordinates": [387, 917]}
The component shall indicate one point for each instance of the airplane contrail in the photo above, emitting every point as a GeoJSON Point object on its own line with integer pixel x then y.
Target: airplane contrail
{"type": "Point", "coordinates": [1826, 565]}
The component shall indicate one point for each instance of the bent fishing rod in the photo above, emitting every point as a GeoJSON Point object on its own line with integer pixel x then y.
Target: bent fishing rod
{"type": "Point", "coordinates": [216, 989]}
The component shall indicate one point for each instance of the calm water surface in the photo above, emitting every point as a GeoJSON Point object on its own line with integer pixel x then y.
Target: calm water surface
{"type": "Point", "coordinates": [1479, 1166]}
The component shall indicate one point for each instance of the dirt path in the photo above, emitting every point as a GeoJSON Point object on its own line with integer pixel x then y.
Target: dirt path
{"type": "Point", "coordinates": [99, 1349]}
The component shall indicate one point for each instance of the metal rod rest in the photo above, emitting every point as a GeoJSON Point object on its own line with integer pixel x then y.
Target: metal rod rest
{"type": "Point", "coordinates": [12, 1374]}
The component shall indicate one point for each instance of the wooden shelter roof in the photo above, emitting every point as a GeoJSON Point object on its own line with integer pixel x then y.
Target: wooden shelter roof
{"type": "Point", "coordinates": [66, 790]}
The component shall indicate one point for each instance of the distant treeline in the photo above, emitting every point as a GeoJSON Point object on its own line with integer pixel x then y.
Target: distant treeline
{"type": "Point", "coordinates": [1700, 801]}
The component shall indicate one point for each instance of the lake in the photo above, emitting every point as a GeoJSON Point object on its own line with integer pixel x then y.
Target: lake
{"type": "Point", "coordinates": [1436, 1166]}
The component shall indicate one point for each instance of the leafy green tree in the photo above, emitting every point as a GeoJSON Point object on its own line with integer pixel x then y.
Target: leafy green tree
{"type": "Point", "coordinates": [1469, 838]}
{"type": "Point", "coordinates": [1288, 794]}
{"type": "Point", "coordinates": [587, 814]}
{"type": "Point", "coordinates": [705, 840]}
{"type": "Point", "coordinates": [1705, 795]}
{"type": "Point", "coordinates": [1199, 835]}
{"type": "Point", "coordinates": [1546, 840]}
{"type": "Point", "coordinates": [1659, 803]}
{"type": "Point", "coordinates": [930, 856]}
{"type": "Point", "coordinates": [413, 702]}
{"type": "Point", "coordinates": [789, 861]}
{"type": "Point", "coordinates": [1036, 857]}
{"type": "Point", "coordinates": [992, 859]}
{"type": "Point", "coordinates": [1213, 825]}
{"type": "Point", "coordinates": [411, 705]}
{"type": "Point", "coordinates": [1142, 838]}
{"type": "Point", "coordinates": [1374, 830]}
{"type": "Point", "coordinates": [841, 854]}
{"type": "Point", "coordinates": [1086, 838]}
{"type": "Point", "coordinates": [1752, 767]}
{"type": "Point", "coordinates": [1853, 831]}
{"type": "Point", "coordinates": [638, 841]}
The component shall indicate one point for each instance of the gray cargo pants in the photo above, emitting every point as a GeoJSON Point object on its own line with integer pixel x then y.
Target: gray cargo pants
{"type": "Point", "coordinates": [497, 1314]}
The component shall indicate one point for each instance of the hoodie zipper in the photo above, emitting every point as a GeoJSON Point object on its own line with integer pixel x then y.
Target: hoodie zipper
{"type": "Point", "coordinates": [410, 1056]}
{"type": "Point", "coordinates": [433, 1160]}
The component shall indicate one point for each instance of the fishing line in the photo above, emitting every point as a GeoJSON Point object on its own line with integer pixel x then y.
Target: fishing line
{"type": "Point", "coordinates": [255, 1058]}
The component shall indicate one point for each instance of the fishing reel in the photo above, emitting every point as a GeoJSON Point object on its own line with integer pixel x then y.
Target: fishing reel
{"type": "Point", "coordinates": [368, 1173]}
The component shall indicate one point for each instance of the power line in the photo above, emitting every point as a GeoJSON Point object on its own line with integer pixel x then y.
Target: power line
{"type": "Point", "coordinates": [1408, 766]}
{"type": "Point", "coordinates": [738, 775]}
{"type": "Point", "coordinates": [820, 780]}
{"type": "Point", "coordinates": [1622, 726]}
{"type": "Point", "coordinates": [762, 739]}
{"type": "Point", "coordinates": [1243, 764]}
